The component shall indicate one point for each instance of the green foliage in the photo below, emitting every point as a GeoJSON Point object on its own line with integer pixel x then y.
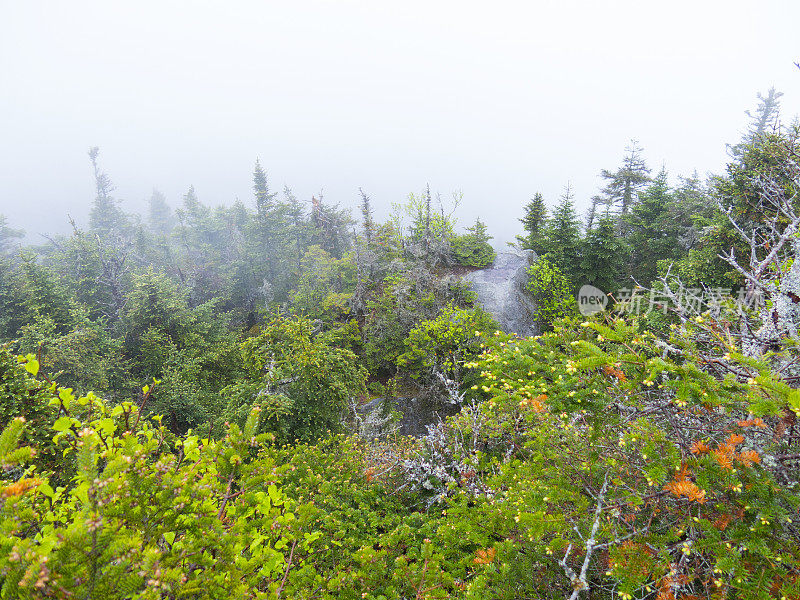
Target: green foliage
{"type": "Point", "coordinates": [472, 249]}
{"type": "Point", "coordinates": [562, 241]}
{"type": "Point", "coordinates": [427, 223]}
{"type": "Point", "coordinates": [329, 227]}
{"type": "Point", "coordinates": [653, 230]}
{"type": "Point", "coordinates": [8, 235]}
{"type": "Point", "coordinates": [325, 286]}
{"type": "Point", "coordinates": [604, 256]}
{"type": "Point", "coordinates": [552, 293]}
{"type": "Point", "coordinates": [406, 299]}
{"type": "Point", "coordinates": [438, 349]}
{"type": "Point", "coordinates": [767, 158]}
{"type": "Point", "coordinates": [87, 357]}
{"type": "Point", "coordinates": [191, 349]}
{"type": "Point", "coordinates": [307, 385]}
{"type": "Point", "coordinates": [624, 183]}
{"type": "Point", "coordinates": [534, 222]}
{"type": "Point", "coordinates": [575, 402]}
{"type": "Point", "coordinates": [24, 396]}
{"type": "Point", "coordinates": [620, 458]}
{"type": "Point", "coordinates": [204, 522]}
{"type": "Point", "coordinates": [32, 292]}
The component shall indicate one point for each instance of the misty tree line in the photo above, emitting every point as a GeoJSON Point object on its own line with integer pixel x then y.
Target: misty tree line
{"type": "Point", "coordinates": [172, 294]}
{"type": "Point", "coordinates": [639, 226]}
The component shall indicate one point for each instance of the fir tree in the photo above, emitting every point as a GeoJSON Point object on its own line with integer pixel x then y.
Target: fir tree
{"type": "Point", "coordinates": [624, 183]}
{"type": "Point", "coordinates": [191, 204]}
{"type": "Point", "coordinates": [562, 242]}
{"type": "Point", "coordinates": [159, 213]}
{"type": "Point", "coordinates": [8, 235]}
{"type": "Point", "coordinates": [597, 200]}
{"type": "Point", "coordinates": [368, 223]}
{"type": "Point", "coordinates": [604, 255]}
{"type": "Point", "coordinates": [106, 218]}
{"type": "Point", "coordinates": [534, 222]}
{"type": "Point", "coordinates": [264, 199]}
{"type": "Point", "coordinates": [653, 230]}
{"type": "Point", "coordinates": [297, 226]}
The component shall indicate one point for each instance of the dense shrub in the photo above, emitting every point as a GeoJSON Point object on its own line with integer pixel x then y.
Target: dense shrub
{"type": "Point", "coordinates": [552, 293]}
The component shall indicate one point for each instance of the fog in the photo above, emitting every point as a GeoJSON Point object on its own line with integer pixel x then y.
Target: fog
{"type": "Point", "coordinates": [498, 100]}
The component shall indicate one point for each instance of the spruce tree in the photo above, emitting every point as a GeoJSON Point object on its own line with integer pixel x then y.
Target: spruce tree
{"type": "Point", "coordinates": [597, 200]}
{"type": "Point", "coordinates": [298, 226]}
{"type": "Point", "coordinates": [653, 230]}
{"type": "Point", "coordinates": [159, 213]}
{"type": "Point", "coordinates": [8, 235]}
{"type": "Point", "coordinates": [191, 204]}
{"type": "Point", "coordinates": [534, 222]}
{"type": "Point", "coordinates": [368, 222]}
{"type": "Point", "coordinates": [624, 183]}
{"type": "Point", "coordinates": [264, 199]}
{"type": "Point", "coordinates": [105, 218]}
{"type": "Point", "coordinates": [562, 242]}
{"type": "Point", "coordinates": [604, 255]}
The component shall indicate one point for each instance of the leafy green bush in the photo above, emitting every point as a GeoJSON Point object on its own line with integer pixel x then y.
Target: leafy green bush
{"type": "Point", "coordinates": [552, 293]}
{"type": "Point", "coordinates": [21, 395]}
{"type": "Point", "coordinates": [626, 466]}
{"type": "Point", "coordinates": [139, 521]}
{"type": "Point", "coordinates": [437, 349]}
{"type": "Point", "coordinates": [303, 383]}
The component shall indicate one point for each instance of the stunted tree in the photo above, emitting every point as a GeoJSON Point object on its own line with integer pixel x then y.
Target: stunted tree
{"type": "Point", "coordinates": [653, 230]}
{"type": "Point", "coordinates": [330, 227]}
{"type": "Point", "coordinates": [8, 235]}
{"type": "Point", "coordinates": [297, 231]}
{"type": "Point", "coordinates": [624, 184]}
{"type": "Point", "coordinates": [368, 222]}
{"type": "Point", "coordinates": [264, 199]}
{"type": "Point", "coordinates": [159, 213]}
{"type": "Point", "coordinates": [106, 218]}
{"type": "Point", "coordinates": [763, 120]}
{"type": "Point", "coordinates": [597, 200]}
{"type": "Point", "coordinates": [604, 255]}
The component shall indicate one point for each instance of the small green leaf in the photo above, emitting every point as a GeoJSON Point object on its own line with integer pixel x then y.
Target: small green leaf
{"type": "Point", "coordinates": [106, 426]}
{"type": "Point", "coordinates": [32, 366]}
{"type": "Point", "coordinates": [81, 492]}
{"type": "Point", "coordinates": [46, 490]}
{"type": "Point", "coordinates": [145, 389]}
{"type": "Point", "coordinates": [169, 537]}
{"type": "Point", "coordinates": [274, 494]}
{"type": "Point", "coordinates": [66, 396]}
{"type": "Point", "coordinates": [62, 423]}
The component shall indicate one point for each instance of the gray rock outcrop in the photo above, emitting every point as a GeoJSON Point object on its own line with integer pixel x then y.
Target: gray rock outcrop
{"type": "Point", "coordinates": [501, 292]}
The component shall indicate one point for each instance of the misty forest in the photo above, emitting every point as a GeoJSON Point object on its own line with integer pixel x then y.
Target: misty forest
{"type": "Point", "coordinates": [281, 398]}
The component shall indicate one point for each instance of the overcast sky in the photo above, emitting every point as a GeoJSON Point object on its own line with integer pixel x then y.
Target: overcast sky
{"type": "Point", "coordinates": [496, 99]}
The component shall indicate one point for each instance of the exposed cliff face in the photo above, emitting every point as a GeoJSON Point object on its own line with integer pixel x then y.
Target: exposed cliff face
{"type": "Point", "coordinates": [501, 292]}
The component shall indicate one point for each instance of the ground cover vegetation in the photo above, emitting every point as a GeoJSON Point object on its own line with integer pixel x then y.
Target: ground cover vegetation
{"type": "Point", "coordinates": [181, 397]}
